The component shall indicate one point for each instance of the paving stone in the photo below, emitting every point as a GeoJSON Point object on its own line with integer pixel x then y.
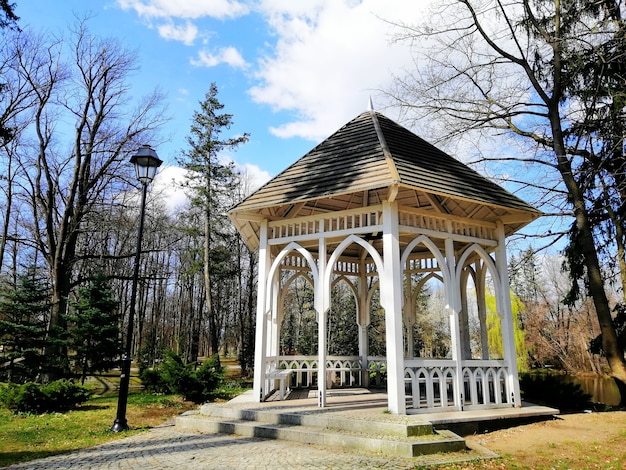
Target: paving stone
{"type": "Point", "coordinates": [166, 448]}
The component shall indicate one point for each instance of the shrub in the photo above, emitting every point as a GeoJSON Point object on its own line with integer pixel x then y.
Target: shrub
{"type": "Point", "coordinates": [151, 380]}
{"type": "Point", "coordinates": [36, 398]}
{"type": "Point", "coordinates": [174, 376]}
{"type": "Point", "coordinates": [553, 390]}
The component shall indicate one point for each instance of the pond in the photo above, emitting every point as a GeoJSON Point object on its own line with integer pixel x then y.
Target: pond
{"type": "Point", "coordinates": [602, 389]}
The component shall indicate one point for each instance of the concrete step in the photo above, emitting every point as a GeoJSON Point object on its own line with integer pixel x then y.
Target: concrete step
{"type": "Point", "coordinates": [392, 439]}
{"type": "Point", "coordinates": [389, 427]}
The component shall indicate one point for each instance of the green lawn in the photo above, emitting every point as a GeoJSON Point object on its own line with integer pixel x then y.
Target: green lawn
{"type": "Point", "coordinates": [28, 437]}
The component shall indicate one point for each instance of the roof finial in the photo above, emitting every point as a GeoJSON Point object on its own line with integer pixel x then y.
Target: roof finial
{"type": "Point", "coordinates": [370, 105]}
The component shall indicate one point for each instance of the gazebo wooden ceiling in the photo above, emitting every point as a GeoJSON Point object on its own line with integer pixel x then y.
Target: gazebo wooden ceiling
{"type": "Point", "coordinates": [361, 163]}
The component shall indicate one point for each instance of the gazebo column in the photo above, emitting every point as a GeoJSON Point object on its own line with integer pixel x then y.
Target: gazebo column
{"type": "Point", "coordinates": [408, 316]}
{"type": "Point", "coordinates": [274, 322]}
{"type": "Point", "coordinates": [508, 334]}
{"type": "Point", "coordinates": [363, 322]}
{"type": "Point", "coordinates": [481, 271]}
{"type": "Point", "coordinates": [322, 304]}
{"type": "Point", "coordinates": [261, 316]}
{"type": "Point", "coordinates": [454, 305]}
{"type": "Point", "coordinates": [466, 350]}
{"type": "Point", "coordinates": [391, 301]}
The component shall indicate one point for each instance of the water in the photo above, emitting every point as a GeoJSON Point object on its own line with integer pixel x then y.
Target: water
{"type": "Point", "coordinates": [602, 389]}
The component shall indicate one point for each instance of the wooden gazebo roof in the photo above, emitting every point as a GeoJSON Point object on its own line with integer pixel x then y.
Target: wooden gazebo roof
{"type": "Point", "coordinates": [360, 163]}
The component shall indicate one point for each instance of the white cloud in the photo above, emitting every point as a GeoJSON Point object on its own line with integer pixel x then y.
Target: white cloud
{"type": "Point", "coordinates": [226, 55]}
{"type": "Point", "coordinates": [330, 56]}
{"type": "Point", "coordinates": [254, 176]}
{"type": "Point", "coordinates": [168, 183]}
{"type": "Point", "coordinates": [191, 9]}
{"type": "Point", "coordinates": [186, 33]}
{"type": "Point", "coordinates": [167, 187]}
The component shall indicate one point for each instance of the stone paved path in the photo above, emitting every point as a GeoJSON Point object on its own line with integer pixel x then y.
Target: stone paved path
{"type": "Point", "coordinates": [166, 448]}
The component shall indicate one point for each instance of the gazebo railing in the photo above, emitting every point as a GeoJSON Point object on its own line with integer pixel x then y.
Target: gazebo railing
{"type": "Point", "coordinates": [343, 222]}
{"type": "Point", "coordinates": [432, 384]}
{"type": "Point", "coordinates": [341, 371]}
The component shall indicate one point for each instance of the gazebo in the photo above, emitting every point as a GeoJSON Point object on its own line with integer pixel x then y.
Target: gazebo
{"type": "Point", "coordinates": [373, 205]}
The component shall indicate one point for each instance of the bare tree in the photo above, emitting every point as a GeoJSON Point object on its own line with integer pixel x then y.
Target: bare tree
{"type": "Point", "coordinates": [513, 67]}
{"type": "Point", "coordinates": [83, 128]}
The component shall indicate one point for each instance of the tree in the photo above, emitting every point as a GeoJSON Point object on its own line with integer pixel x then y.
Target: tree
{"type": "Point", "coordinates": [64, 178]}
{"type": "Point", "coordinates": [24, 310]}
{"type": "Point", "coordinates": [8, 19]}
{"type": "Point", "coordinates": [93, 329]}
{"type": "Point", "coordinates": [494, 331]}
{"type": "Point", "coordinates": [515, 67]}
{"type": "Point", "coordinates": [210, 179]}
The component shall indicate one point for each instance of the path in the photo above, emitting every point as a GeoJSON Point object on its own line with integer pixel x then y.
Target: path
{"type": "Point", "coordinates": [164, 447]}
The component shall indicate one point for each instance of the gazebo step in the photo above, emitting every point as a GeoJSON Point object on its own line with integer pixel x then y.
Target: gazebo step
{"type": "Point", "coordinates": [353, 435]}
{"type": "Point", "coordinates": [322, 420]}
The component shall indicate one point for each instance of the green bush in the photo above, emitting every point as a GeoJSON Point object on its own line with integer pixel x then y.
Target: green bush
{"type": "Point", "coordinates": [174, 376]}
{"type": "Point", "coordinates": [151, 380]}
{"type": "Point", "coordinates": [36, 398]}
{"type": "Point", "coordinates": [553, 390]}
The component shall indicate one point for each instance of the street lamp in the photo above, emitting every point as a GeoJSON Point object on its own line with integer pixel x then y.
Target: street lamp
{"type": "Point", "coordinates": [146, 163]}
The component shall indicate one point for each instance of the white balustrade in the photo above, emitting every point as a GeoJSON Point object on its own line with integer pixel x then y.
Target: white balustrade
{"type": "Point", "coordinates": [430, 384]}
{"type": "Point", "coordinates": [342, 371]}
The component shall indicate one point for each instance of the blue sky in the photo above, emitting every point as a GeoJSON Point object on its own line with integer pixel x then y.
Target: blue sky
{"type": "Point", "coordinates": [291, 72]}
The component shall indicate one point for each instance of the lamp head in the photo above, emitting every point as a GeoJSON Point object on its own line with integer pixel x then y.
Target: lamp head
{"type": "Point", "coordinates": [146, 163]}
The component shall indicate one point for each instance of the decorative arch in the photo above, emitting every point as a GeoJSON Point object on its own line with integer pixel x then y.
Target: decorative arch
{"type": "Point", "coordinates": [274, 269]}
{"type": "Point", "coordinates": [345, 279]}
{"type": "Point", "coordinates": [413, 294]}
{"type": "Point", "coordinates": [428, 243]}
{"type": "Point", "coordinates": [482, 254]}
{"type": "Point", "coordinates": [378, 260]}
{"type": "Point", "coordinates": [285, 288]}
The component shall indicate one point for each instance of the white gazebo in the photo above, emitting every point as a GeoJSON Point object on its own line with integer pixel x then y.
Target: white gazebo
{"type": "Point", "coordinates": [371, 206]}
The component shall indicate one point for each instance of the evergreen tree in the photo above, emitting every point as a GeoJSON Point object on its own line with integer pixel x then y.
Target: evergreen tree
{"type": "Point", "coordinates": [211, 181]}
{"type": "Point", "coordinates": [24, 312]}
{"type": "Point", "coordinates": [93, 331]}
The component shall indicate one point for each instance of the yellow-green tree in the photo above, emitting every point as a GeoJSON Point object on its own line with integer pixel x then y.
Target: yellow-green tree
{"type": "Point", "coordinates": [494, 330]}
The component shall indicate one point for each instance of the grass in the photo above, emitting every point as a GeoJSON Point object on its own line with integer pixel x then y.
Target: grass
{"type": "Point", "coordinates": [28, 437]}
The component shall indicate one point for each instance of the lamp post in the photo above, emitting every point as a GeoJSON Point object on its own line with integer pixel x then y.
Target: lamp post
{"type": "Point", "coordinates": [146, 163]}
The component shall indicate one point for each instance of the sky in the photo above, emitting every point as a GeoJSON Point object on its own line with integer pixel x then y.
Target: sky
{"type": "Point", "coordinates": [291, 72]}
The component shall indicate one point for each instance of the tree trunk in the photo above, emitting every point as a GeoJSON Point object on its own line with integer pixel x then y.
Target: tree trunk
{"type": "Point", "coordinates": [610, 343]}
{"type": "Point", "coordinates": [213, 333]}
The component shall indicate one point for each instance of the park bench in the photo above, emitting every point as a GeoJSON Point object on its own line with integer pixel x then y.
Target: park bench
{"type": "Point", "coordinates": [283, 377]}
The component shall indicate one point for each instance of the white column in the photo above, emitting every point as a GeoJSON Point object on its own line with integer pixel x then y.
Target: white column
{"type": "Point", "coordinates": [454, 305]}
{"type": "Point", "coordinates": [408, 316]}
{"type": "Point", "coordinates": [260, 334]}
{"type": "Point", "coordinates": [322, 304]}
{"type": "Point", "coordinates": [504, 298]}
{"type": "Point", "coordinates": [273, 321]}
{"type": "Point", "coordinates": [466, 350]}
{"type": "Point", "coordinates": [481, 271]}
{"type": "Point", "coordinates": [363, 322]}
{"type": "Point", "coordinates": [391, 301]}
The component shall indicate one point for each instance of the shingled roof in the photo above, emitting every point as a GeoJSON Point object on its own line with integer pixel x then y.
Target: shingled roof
{"type": "Point", "coordinates": [358, 164]}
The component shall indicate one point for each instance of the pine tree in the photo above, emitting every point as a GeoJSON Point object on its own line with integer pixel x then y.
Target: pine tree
{"type": "Point", "coordinates": [24, 312]}
{"type": "Point", "coordinates": [211, 181]}
{"type": "Point", "coordinates": [93, 331]}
